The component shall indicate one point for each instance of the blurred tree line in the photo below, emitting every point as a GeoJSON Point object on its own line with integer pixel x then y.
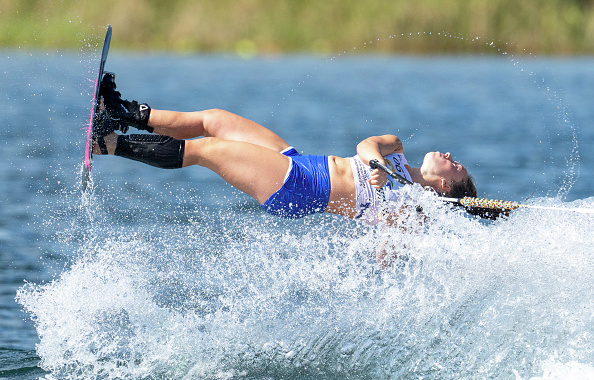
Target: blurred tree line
{"type": "Point", "coordinates": [328, 26]}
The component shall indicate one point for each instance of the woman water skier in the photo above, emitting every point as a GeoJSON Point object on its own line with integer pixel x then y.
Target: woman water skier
{"type": "Point", "coordinates": [258, 162]}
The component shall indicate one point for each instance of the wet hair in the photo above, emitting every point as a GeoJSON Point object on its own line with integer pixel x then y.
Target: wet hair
{"type": "Point", "coordinates": [461, 189]}
{"type": "Point", "coordinates": [467, 188]}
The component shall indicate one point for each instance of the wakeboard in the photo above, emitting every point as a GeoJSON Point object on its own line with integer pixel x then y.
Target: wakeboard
{"type": "Point", "coordinates": [86, 170]}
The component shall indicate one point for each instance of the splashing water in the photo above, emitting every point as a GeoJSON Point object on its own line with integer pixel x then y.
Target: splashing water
{"type": "Point", "coordinates": [252, 298]}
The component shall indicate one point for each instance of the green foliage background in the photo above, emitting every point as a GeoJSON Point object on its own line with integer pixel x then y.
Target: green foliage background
{"type": "Point", "coordinates": [322, 26]}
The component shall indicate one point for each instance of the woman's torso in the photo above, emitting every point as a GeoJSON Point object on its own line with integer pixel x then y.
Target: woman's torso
{"type": "Point", "coordinates": [344, 190]}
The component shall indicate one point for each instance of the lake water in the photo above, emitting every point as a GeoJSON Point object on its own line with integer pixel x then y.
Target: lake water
{"type": "Point", "coordinates": [174, 274]}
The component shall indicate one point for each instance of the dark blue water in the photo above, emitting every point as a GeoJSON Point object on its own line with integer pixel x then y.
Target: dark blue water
{"type": "Point", "coordinates": [175, 274]}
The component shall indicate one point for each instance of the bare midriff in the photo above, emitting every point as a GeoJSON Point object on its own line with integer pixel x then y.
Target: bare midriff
{"type": "Point", "coordinates": [342, 190]}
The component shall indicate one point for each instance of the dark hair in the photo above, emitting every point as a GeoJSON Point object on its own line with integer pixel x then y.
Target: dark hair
{"type": "Point", "coordinates": [467, 188]}
{"type": "Point", "coordinates": [461, 189]}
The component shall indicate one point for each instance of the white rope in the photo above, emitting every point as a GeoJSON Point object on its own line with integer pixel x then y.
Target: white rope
{"type": "Point", "coordinates": [580, 210]}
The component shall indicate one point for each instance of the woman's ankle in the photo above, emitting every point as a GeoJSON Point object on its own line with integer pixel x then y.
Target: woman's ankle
{"type": "Point", "coordinates": [111, 141]}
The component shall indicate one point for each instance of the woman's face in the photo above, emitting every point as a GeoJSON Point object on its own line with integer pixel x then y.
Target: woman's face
{"type": "Point", "coordinates": [443, 166]}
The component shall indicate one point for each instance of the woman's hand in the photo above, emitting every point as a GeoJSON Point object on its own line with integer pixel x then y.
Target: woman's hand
{"type": "Point", "coordinates": [378, 178]}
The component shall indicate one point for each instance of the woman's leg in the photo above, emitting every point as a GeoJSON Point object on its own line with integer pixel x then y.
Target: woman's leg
{"type": "Point", "coordinates": [184, 125]}
{"type": "Point", "coordinates": [214, 123]}
{"type": "Point", "coordinates": [253, 169]}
